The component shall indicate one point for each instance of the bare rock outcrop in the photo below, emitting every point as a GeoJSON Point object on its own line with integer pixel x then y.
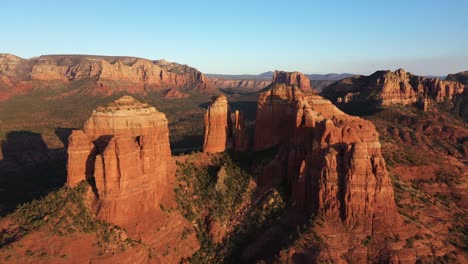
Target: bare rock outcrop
{"type": "Point", "coordinates": [332, 162]}
{"type": "Point", "coordinates": [218, 128]}
{"type": "Point", "coordinates": [239, 132]}
{"type": "Point", "coordinates": [292, 78]}
{"type": "Point", "coordinates": [125, 148]}
{"type": "Point", "coordinates": [387, 87]}
{"type": "Point", "coordinates": [224, 130]}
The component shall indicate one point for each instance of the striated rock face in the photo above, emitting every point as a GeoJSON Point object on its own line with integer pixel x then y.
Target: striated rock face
{"type": "Point", "coordinates": [106, 74]}
{"type": "Point", "coordinates": [386, 88]}
{"type": "Point", "coordinates": [125, 146]}
{"type": "Point", "coordinates": [218, 128]}
{"type": "Point", "coordinates": [333, 161]}
{"type": "Point", "coordinates": [292, 78]}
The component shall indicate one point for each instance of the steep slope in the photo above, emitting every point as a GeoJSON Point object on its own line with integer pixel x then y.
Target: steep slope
{"type": "Point", "coordinates": [108, 74]}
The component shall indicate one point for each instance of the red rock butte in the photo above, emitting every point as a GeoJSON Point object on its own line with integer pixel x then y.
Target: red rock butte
{"type": "Point", "coordinates": [125, 148]}
{"type": "Point", "coordinates": [293, 78]}
{"type": "Point", "coordinates": [332, 161]}
{"type": "Point", "coordinates": [224, 130]}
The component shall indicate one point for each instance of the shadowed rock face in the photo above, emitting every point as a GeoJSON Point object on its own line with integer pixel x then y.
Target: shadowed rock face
{"type": "Point", "coordinates": [125, 146]}
{"type": "Point", "coordinates": [398, 87]}
{"type": "Point", "coordinates": [461, 77]}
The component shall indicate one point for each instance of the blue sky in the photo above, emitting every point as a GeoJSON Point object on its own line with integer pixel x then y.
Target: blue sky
{"type": "Point", "coordinates": [424, 37]}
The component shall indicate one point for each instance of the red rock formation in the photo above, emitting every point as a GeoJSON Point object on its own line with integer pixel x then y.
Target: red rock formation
{"type": "Point", "coordinates": [292, 78]}
{"type": "Point", "coordinates": [386, 88]}
{"type": "Point", "coordinates": [239, 132]}
{"type": "Point", "coordinates": [275, 115]}
{"type": "Point", "coordinates": [132, 164]}
{"type": "Point", "coordinates": [332, 161]}
{"type": "Point", "coordinates": [118, 73]}
{"type": "Point", "coordinates": [218, 128]}
{"type": "Point", "coordinates": [80, 158]}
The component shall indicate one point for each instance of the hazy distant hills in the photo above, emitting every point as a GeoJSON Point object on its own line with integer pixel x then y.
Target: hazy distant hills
{"type": "Point", "coordinates": [256, 82]}
{"type": "Point", "coordinates": [269, 74]}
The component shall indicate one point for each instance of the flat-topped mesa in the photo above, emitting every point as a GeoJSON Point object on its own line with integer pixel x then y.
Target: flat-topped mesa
{"type": "Point", "coordinates": [125, 148]}
{"type": "Point", "coordinates": [293, 78]}
{"type": "Point", "coordinates": [224, 130]}
{"type": "Point", "coordinates": [101, 74]}
{"type": "Point", "coordinates": [387, 87]}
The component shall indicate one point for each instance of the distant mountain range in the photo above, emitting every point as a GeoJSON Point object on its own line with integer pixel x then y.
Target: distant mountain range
{"type": "Point", "coordinates": [269, 74]}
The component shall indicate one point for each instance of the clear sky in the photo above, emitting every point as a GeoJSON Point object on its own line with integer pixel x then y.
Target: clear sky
{"type": "Point", "coordinates": [424, 37]}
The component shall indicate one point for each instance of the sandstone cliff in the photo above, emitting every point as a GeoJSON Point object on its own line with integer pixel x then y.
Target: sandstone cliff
{"type": "Point", "coordinates": [386, 88]}
{"type": "Point", "coordinates": [108, 74]}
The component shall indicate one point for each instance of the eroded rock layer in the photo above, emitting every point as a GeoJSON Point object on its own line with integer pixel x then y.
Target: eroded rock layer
{"type": "Point", "coordinates": [124, 152]}
{"type": "Point", "coordinates": [99, 74]}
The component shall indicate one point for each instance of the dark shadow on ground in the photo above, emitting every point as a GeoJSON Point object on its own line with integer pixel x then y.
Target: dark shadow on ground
{"type": "Point", "coordinates": [29, 169]}
{"type": "Point", "coordinates": [63, 134]}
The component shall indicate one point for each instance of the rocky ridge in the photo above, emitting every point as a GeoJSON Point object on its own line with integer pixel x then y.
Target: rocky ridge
{"type": "Point", "coordinates": [108, 74]}
{"type": "Point", "coordinates": [387, 87]}
{"type": "Point", "coordinates": [252, 85]}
